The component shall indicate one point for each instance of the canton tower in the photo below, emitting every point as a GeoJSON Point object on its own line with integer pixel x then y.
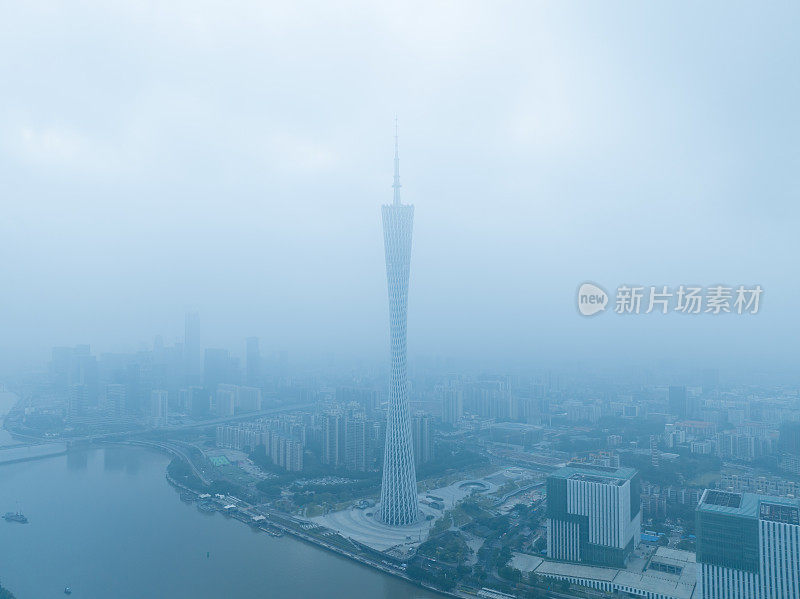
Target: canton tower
{"type": "Point", "coordinates": [399, 505]}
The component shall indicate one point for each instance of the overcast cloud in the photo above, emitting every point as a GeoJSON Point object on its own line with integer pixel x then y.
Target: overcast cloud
{"type": "Point", "coordinates": [231, 158]}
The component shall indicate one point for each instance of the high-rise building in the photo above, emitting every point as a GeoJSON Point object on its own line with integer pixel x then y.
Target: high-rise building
{"type": "Point", "coordinates": [75, 366]}
{"type": "Point", "coordinates": [293, 456]}
{"type": "Point", "coordinates": [368, 399]}
{"type": "Point", "coordinates": [526, 407]}
{"type": "Point", "coordinates": [217, 368]}
{"type": "Point", "coordinates": [225, 400]}
{"type": "Point", "coordinates": [60, 367]}
{"type": "Point", "coordinates": [199, 402]}
{"type": "Point", "coordinates": [748, 546]}
{"type": "Point", "coordinates": [116, 399]}
{"type": "Point", "coordinates": [237, 399]}
{"type": "Point", "coordinates": [710, 380]}
{"type": "Point", "coordinates": [489, 398]}
{"type": "Point", "coordinates": [593, 514]}
{"type": "Point", "coordinates": [421, 434]}
{"type": "Point", "coordinates": [285, 452]}
{"type": "Point", "coordinates": [242, 437]}
{"type": "Point", "coordinates": [345, 440]}
{"type": "Point", "coordinates": [77, 401]}
{"type": "Point", "coordinates": [282, 440]}
{"type": "Point", "coordinates": [790, 438]}
{"type": "Point", "coordinates": [677, 401]}
{"type": "Point", "coordinates": [184, 400]}
{"type": "Point", "coordinates": [356, 443]}
{"type": "Point", "coordinates": [253, 362]}
{"type": "Point", "coordinates": [739, 445]}
{"type": "Point", "coordinates": [248, 399]}
{"type": "Point", "coordinates": [452, 405]}
{"type": "Point", "coordinates": [399, 502]}
{"type": "Point", "coordinates": [159, 407]}
{"type": "Point", "coordinates": [655, 454]}
{"type": "Point", "coordinates": [333, 439]}
{"type": "Point", "coordinates": [192, 352]}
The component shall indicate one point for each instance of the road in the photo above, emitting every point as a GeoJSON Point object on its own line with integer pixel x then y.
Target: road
{"type": "Point", "coordinates": [176, 449]}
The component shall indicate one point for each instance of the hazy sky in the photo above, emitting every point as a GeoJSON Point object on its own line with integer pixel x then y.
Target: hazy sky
{"type": "Point", "coordinates": [231, 158]}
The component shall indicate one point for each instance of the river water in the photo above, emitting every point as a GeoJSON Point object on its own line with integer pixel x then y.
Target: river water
{"type": "Point", "coordinates": [105, 522]}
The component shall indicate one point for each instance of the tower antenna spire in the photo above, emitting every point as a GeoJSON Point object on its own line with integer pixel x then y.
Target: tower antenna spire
{"type": "Point", "coordinates": [396, 184]}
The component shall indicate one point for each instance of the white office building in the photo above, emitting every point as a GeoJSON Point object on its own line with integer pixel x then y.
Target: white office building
{"type": "Point", "coordinates": [748, 546]}
{"type": "Point", "coordinates": [593, 514]}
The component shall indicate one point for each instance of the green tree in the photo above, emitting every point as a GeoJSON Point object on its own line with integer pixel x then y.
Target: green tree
{"type": "Point", "coordinates": [5, 593]}
{"type": "Point", "coordinates": [510, 573]}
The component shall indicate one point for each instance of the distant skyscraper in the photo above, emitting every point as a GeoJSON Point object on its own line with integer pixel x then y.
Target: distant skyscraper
{"type": "Point", "coordinates": [293, 455]}
{"type": "Point", "coordinates": [790, 438]}
{"type": "Point", "coordinates": [225, 399]}
{"type": "Point", "coordinates": [159, 407]}
{"type": "Point", "coordinates": [344, 440]}
{"type": "Point", "coordinates": [73, 366]}
{"type": "Point", "coordinates": [253, 362]}
{"type": "Point", "coordinates": [452, 405]}
{"type": "Point", "coordinates": [399, 503]}
{"type": "Point", "coordinates": [748, 546]}
{"type": "Point", "coordinates": [421, 434]}
{"type": "Point", "coordinates": [60, 367]}
{"type": "Point", "coordinates": [333, 439]}
{"type": "Point", "coordinates": [368, 399]}
{"type": "Point", "coordinates": [490, 398]}
{"type": "Point", "coordinates": [78, 401]}
{"type": "Point", "coordinates": [192, 353]}
{"type": "Point", "coordinates": [216, 368]}
{"type": "Point", "coordinates": [116, 399]}
{"type": "Point", "coordinates": [248, 399]}
{"type": "Point", "coordinates": [356, 443]}
{"type": "Point", "coordinates": [710, 380]}
{"type": "Point", "coordinates": [677, 401]}
{"type": "Point", "coordinates": [655, 454]}
{"type": "Point", "coordinates": [593, 514]}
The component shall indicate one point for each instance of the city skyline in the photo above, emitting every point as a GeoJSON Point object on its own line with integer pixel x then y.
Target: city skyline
{"type": "Point", "coordinates": [221, 377]}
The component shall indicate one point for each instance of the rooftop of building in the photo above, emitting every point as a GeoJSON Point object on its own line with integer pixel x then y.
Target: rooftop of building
{"type": "Point", "coordinates": [745, 505]}
{"type": "Point", "coordinates": [591, 471]}
{"type": "Point", "coordinates": [680, 583]}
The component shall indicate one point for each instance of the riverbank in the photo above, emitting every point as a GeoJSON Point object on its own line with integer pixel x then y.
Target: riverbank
{"type": "Point", "coordinates": [287, 524]}
{"type": "Point", "coordinates": [13, 450]}
{"type": "Point", "coordinates": [106, 522]}
{"type": "Point", "coordinates": [284, 523]}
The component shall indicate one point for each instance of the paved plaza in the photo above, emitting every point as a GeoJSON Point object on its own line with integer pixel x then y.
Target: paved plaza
{"type": "Point", "coordinates": [361, 525]}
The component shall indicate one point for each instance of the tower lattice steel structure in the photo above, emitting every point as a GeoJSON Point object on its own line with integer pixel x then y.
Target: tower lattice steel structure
{"type": "Point", "coordinates": [399, 504]}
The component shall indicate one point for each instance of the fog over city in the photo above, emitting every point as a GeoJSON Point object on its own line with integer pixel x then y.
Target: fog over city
{"type": "Point", "coordinates": [399, 300]}
{"type": "Point", "coordinates": [231, 159]}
